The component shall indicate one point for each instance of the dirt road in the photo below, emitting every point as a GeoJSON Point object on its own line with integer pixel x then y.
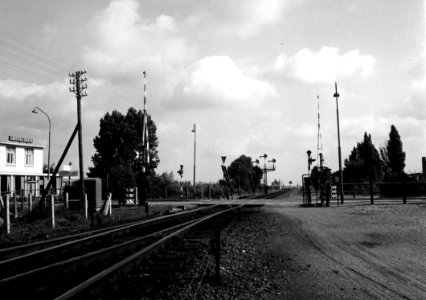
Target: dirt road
{"type": "Point", "coordinates": [348, 252]}
{"type": "Point", "coordinates": [354, 253]}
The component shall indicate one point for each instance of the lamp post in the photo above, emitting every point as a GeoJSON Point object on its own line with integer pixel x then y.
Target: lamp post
{"type": "Point", "coordinates": [48, 153]}
{"type": "Point", "coordinates": [336, 95]}
{"type": "Point", "coordinates": [194, 130]}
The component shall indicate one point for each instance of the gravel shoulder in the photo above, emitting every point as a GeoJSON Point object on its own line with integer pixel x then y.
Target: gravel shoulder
{"type": "Point", "coordinates": [358, 252]}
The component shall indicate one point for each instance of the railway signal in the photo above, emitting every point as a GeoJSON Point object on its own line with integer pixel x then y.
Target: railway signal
{"type": "Point", "coordinates": [267, 169]}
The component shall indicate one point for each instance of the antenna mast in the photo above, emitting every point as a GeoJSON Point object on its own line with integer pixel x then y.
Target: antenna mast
{"type": "Point", "coordinates": [319, 137]}
{"type": "Point", "coordinates": [145, 142]}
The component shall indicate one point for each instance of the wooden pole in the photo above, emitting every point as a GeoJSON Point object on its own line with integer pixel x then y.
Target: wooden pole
{"type": "Point", "coordinates": [371, 193]}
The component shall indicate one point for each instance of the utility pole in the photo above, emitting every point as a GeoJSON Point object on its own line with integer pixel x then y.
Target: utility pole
{"type": "Point", "coordinates": [336, 95]}
{"type": "Point", "coordinates": [78, 87]}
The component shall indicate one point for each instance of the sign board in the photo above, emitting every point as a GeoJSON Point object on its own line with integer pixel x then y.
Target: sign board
{"type": "Point", "coordinates": [333, 192]}
{"type": "Point", "coordinates": [20, 139]}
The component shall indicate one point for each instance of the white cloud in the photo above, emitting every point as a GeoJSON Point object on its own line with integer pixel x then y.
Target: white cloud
{"type": "Point", "coordinates": [20, 90]}
{"type": "Point", "coordinates": [242, 18]}
{"type": "Point", "coordinates": [218, 80]}
{"type": "Point", "coordinates": [124, 43]}
{"type": "Point", "coordinates": [325, 65]}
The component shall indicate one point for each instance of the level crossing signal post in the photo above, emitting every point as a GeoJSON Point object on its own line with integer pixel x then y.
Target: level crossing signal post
{"type": "Point", "coordinates": [267, 169]}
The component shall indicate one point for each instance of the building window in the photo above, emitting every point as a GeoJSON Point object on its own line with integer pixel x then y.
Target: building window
{"type": "Point", "coordinates": [29, 157]}
{"type": "Point", "coordinates": [10, 155]}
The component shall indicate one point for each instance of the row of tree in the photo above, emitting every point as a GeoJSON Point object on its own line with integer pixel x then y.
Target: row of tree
{"type": "Point", "coordinates": [118, 163]}
{"type": "Point", "coordinates": [366, 163]}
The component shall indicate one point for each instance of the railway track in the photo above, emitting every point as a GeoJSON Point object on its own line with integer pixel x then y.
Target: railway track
{"type": "Point", "coordinates": [83, 266]}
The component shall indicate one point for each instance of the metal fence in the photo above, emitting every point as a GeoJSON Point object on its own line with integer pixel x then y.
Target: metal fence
{"type": "Point", "coordinates": [372, 192]}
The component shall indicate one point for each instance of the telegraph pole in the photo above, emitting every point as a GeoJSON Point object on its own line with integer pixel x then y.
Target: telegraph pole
{"type": "Point", "coordinates": [78, 89]}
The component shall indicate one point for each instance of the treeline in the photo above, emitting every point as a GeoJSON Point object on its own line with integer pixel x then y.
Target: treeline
{"type": "Point", "coordinates": [366, 163]}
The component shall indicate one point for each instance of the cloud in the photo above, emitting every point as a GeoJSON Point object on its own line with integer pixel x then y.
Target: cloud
{"type": "Point", "coordinates": [218, 81]}
{"type": "Point", "coordinates": [242, 18]}
{"type": "Point", "coordinates": [124, 43]}
{"type": "Point", "coordinates": [49, 32]}
{"type": "Point", "coordinates": [20, 90]}
{"type": "Point", "coordinates": [325, 65]}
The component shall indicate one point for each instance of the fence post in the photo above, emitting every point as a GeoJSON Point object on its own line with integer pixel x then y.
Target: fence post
{"type": "Point", "coordinates": [202, 193]}
{"type": "Point", "coordinates": [52, 210]}
{"type": "Point", "coordinates": [7, 215]}
{"type": "Point", "coordinates": [354, 191]}
{"type": "Point", "coordinates": [15, 206]}
{"type": "Point", "coordinates": [67, 199]}
{"type": "Point", "coordinates": [404, 192]}
{"type": "Point", "coordinates": [85, 206]}
{"type": "Point", "coordinates": [371, 193]}
{"type": "Point", "coordinates": [30, 202]}
{"type": "Point", "coordinates": [209, 192]}
{"type": "Point", "coordinates": [187, 191]}
{"type": "Point", "coordinates": [22, 200]}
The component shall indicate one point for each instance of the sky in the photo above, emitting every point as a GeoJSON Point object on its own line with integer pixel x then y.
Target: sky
{"type": "Point", "coordinates": [248, 73]}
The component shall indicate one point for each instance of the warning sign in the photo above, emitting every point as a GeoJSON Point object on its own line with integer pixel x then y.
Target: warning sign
{"type": "Point", "coordinates": [333, 192]}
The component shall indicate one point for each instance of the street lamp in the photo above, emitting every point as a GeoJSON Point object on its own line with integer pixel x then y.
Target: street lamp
{"type": "Point", "coordinates": [194, 130]}
{"type": "Point", "coordinates": [336, 95]}
{"type": "Point", "coordinates": [48, 153]}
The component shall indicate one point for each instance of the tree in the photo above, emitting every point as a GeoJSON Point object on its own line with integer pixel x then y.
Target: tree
{"type": "Point", "coordinates": [117, 145]}
{"type": "Point", "coordinates": [364, 162]}
{"type": "Point", "coordinates": [244, 174]}
{"type": "Point", "coordinates": [395, 154]}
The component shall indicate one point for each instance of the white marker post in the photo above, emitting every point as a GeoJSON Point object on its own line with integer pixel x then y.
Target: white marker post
{"type": "Point", "coordinates": [66, 200]}
{"type": "Point", "coordinates": [7, 215]}
{"type": "Point", "coordinates": [52, 209]}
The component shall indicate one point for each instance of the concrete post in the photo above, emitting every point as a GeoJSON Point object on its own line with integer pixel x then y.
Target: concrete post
{"type": "Point", "coordinates": [7, 215]}
{"type": "Point", "coordinates": [15, 206]}
{"type": "Point", "coordinates": [52, 210]}
{"type": "Point", "coordinates": [67, 200]}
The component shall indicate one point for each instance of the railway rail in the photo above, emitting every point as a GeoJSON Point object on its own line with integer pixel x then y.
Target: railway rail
{"type": "Point", "coordinates": [82, 265]}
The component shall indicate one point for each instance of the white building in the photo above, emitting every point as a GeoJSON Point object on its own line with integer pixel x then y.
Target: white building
{"type": "Point", "coordinates": [21, 166]}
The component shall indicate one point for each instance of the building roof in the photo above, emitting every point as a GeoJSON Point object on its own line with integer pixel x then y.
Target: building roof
{"type": "Point", "coordinates": [22, 145]}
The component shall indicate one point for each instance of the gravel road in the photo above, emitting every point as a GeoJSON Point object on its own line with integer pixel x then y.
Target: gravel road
{"type": "Point", "coordinates": [290, 252]}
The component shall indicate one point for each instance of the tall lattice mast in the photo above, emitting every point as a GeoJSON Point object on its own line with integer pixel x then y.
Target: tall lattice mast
{"type": "Point", "coordinates": [145, 141]}
{"type": "Point", "coordinates": [319, 137]}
